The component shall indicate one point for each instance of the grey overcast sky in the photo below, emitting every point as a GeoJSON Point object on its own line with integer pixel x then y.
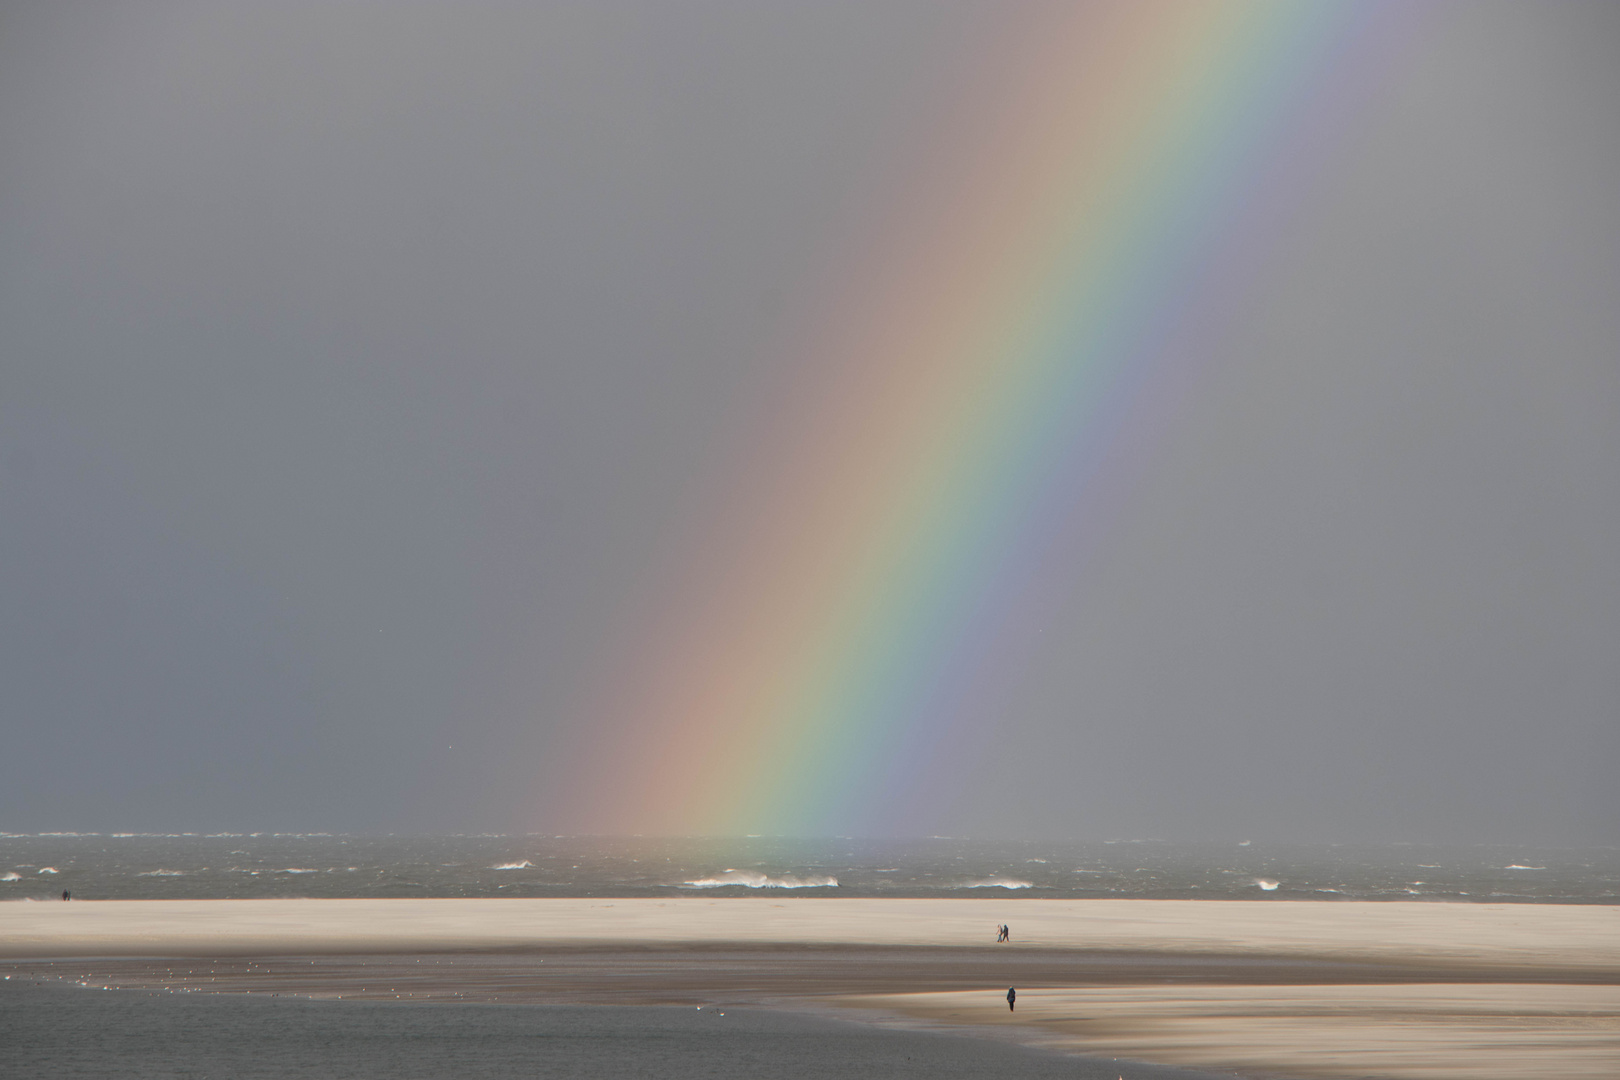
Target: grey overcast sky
{"type": "Point", "coordinates": [356, 361]}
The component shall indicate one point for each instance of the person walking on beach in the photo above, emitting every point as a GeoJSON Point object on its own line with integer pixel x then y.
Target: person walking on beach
{"type": "Point", "coordinates": [1012, 996]}
{"type": "Point", "coordinates": [1002, 933]}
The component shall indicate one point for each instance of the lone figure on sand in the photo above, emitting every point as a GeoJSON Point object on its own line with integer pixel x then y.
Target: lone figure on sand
{"type": "Point", "coordinates": [1012, 996]}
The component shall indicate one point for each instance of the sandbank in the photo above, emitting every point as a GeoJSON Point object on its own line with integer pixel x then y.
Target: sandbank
{"type": "Point", "coordinates": [1534, 935]}
{"type": "Point", "coordinates": [1332, 989]}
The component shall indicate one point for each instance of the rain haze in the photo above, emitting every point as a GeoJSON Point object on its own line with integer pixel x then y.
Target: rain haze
{"type": "Point", "coordinates": [361, 364]}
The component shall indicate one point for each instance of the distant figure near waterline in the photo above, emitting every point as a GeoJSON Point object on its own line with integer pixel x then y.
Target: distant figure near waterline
{"type": "Point", "coordinates": [1002, 933]}
{"type": "Point", "coordinates": [1012, 996]}
{"type": "Point", "coordinates": [66, 895]}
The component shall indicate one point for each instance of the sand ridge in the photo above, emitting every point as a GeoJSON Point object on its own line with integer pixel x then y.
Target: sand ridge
{"type": "Point", "coordinates": [1411, 1031]}
{"type": "Point", "coordinates": [1531, 935]}
{"type": "Point", "coordinates": [1413, 991]}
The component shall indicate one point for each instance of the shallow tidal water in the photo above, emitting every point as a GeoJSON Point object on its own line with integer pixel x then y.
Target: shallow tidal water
{"type": "Point", "coordinates": [77, 1033]}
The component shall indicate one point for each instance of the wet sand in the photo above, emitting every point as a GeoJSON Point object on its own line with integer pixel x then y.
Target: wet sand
{"type": "Point", "coordinates": [1297, 988]}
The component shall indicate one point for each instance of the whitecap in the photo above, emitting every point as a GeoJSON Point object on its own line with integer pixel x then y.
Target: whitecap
{"type": "Point", "coordinates": [1516, 866]}
{"type": "Point", "coordinates": [161, 873]}
{"type": "Point", "coordinates": [997, 883]}
{"type": "Point", "coordinates": [49, 870]}
{"type": "Point", "coordinates": [524, 865]}
{"type": "Point", "coordinates": [1267, 884]}
{"type": "Point", "coordinates": [750, 879]}
{"type": "Point", "coordinates": [1035, 860]}
{"type": "Point", "coordinates": [11, 875]}
{"type": "Point", "coordinates": [296, 870]}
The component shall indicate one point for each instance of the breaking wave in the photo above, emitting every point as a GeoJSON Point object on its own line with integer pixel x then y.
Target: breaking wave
{"type": "Point", "coordinates": [49, 870]}
{"type": "Point", "coordinates": [750, 879]}
{"type": "Point", "coordinates": [997, 883]}
{"type": "Point", "coordinates": [524, 865]}
{"type": "Point", "coordinates": [161, 873]}
{"type": "Point", "coordinates": [11, 875]}
{"type": "Point", "coordinates": [1516, 866]}
{"type": "Point", "coordinates": [1268, 884]}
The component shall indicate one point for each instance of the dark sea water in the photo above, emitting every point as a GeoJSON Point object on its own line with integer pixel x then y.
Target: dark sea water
{"type": "Point", "coordinates": [125, 866]}
{"type": "Point", "coordinates": [74, 1033]}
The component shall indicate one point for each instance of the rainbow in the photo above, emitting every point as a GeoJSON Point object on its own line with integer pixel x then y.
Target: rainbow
{"type": "Point", "coordinates": [835, 625]}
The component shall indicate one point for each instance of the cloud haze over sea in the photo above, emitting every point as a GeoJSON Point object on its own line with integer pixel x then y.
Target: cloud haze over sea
{"type": "Point", "coordinates": [1110, 418]}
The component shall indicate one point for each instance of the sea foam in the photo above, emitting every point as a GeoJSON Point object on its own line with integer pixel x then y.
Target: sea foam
{"type": "Point", "coordinates": [997, 883]}
{"type": "Point", "coordinates": [524, 865]}
{"type": "Point", "coordinates": [750, 879]}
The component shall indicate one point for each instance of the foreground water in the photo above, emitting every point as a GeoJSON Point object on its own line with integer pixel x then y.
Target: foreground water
{"type": "Point", "coordinates": [131, 866]}
{"type": "Point", "coordinates": [73, 1033]}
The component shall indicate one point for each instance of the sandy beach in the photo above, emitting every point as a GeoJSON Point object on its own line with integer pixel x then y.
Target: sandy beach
{"type": "Point", "coordinates": [1298, 988]}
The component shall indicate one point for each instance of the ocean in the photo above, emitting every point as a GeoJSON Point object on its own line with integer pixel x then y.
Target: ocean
{"type": "Point", "coordinates": [126, 866]}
